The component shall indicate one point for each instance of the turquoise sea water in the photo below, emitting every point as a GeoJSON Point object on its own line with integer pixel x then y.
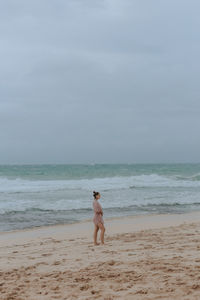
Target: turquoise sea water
{"type": "Point", "coordinates": [36, 195]}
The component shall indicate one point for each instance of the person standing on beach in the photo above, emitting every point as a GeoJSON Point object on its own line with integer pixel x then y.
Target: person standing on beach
{"type": "Point", "coordinates": [98, 219]}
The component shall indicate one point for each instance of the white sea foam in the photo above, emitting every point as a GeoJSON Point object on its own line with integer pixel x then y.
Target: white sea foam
{"type": "Point", "coordinates": [107, 183]}
{"type": "Point", "coordinates": [52, 198]}
{"type": "Point", "coordinates": [59, 195]}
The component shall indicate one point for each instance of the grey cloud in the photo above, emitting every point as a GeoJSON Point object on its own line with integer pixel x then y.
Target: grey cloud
{"type": "Point", "coordinates": [99, 81]}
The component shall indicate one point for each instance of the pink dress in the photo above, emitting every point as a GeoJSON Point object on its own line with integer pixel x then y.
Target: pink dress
{"type": "Point", "coordinates": [98, 213]}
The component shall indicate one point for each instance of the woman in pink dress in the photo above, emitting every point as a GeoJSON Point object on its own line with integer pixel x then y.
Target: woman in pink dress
{"type": "Point", "coordinates": [98, 219]}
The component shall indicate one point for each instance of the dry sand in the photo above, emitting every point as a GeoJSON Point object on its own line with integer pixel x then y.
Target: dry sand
{"type": "Point", "coordinates": [146, 257]}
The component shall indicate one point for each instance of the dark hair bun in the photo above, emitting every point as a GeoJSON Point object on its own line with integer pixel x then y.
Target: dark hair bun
{"type": "Point", "coordinates": [95, 193]}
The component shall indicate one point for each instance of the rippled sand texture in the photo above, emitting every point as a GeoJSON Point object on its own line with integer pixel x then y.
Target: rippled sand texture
{"type": "Point", "coordinates": [148, 264]}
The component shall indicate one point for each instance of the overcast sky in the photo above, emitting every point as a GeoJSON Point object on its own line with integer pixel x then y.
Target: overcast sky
{"type": "Point", "coordinates": [99, 81]}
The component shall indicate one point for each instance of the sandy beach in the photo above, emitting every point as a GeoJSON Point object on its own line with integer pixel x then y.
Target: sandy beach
{"type": "Point", "coordinates": [145, 257]}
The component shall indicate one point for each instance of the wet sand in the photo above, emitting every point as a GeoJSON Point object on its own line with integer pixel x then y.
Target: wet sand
{"type": "Point", "coordinates": [145, 257]}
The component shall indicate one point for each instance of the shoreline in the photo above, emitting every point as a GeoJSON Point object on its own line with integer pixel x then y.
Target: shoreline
{"type": "Point", "coordinates": [113, 225]}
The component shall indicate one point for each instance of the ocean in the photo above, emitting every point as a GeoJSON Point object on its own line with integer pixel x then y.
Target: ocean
{"type": "Point", "coordinates": [38, 195]}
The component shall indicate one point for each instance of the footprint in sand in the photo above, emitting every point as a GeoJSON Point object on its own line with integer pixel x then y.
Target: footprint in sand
{"type": "Point", "coordinates": [84, 287]}
{"type": "Point", "coordinates": [55, 263]}
{"type": "Point", "coordinates": [41, 263]}
{"type": "Point", "coordinates": [111, 262]}
{"type": "Point", "coordinates": [56, 241]}
{"type": "Point", "coordinates": [94, 292]}
{"type": "Point", "coordinates": [46, 254]}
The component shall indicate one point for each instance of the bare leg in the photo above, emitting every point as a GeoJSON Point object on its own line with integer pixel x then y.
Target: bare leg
{"type": "Point", "coordinates": [96, 229]}
{"type": "Point", "coordinates": [101, 226]}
